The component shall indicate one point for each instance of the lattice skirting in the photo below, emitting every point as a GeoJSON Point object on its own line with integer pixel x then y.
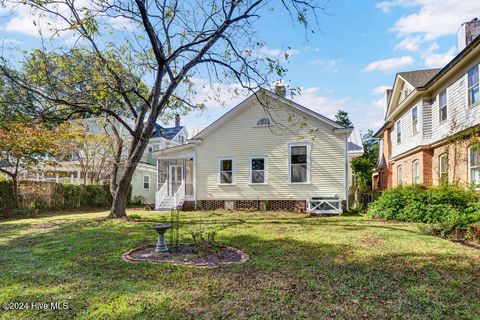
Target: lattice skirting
{"type": "Point", "coordinates": [277, 205]}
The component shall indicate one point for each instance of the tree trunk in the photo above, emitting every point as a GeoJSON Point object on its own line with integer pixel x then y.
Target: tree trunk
{"type": "Point", "coordinates": [15, 190]}
{"type": "Point", "coordinates": [120, 196]}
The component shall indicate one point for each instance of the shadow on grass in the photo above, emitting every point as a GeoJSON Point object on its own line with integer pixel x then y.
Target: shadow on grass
{"type": "Point", "coordinates": [80, 261]}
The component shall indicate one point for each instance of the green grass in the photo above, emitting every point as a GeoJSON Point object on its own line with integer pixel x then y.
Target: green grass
{"type": "Point", "coordinates": [300, 267]}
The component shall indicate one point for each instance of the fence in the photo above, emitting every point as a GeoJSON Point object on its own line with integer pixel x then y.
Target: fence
{"type": "Point", "coordinates": [48, 195]}
{"type": "Point", "coordinates": [364, 198]}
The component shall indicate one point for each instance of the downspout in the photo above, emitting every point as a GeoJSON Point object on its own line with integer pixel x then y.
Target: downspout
{"type": "Point", "coordinates": [346, 172]}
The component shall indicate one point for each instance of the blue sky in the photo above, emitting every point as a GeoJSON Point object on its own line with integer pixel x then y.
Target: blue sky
{"type": "Point", "coordinates": [348, 62]}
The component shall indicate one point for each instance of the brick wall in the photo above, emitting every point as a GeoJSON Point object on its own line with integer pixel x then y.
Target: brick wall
{"type": "Point", "coordinates": [457, 161]}
{"type": "Point", "coordinates": [425, 168]}
{"type": "Point", "coordinates": [283, 205]}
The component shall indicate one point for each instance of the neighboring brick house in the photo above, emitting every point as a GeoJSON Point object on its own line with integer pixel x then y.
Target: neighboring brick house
{"type": "Point", "coordinates": [432, 121]}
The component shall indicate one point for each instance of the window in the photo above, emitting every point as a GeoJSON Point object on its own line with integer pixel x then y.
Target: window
{"type": "Point", "coordinates": [263, 122]}
{"type": "Point", "coordinates": [398, 127]}
{"type": "Point", "coordinates": [415, 120]}
{"type": "Point", "coordinates": [399, 176]}
{"type": "Point", "coordinates": [299, 163]}
{"type": "Point", "coordinates": [473, 88]}
{"type": "Point", "coordinates": [443, 168]}
{"type": "Point", "coordinates": [150, 149]}
{"type": "Point", "coordinates": [416, 172]}
{"type": "Point", "coordinates": [442, 104]}
{"type": "Point", "coordinates": [181, 139]}
{"type": "Point", "coordinates": [474, 165]}
{"type": "Point", "coordinates": [226, 171]}
{"type": "Point", "coordinates": [146, 182]}
{"type": "Point", "coordinates": [257, 170]}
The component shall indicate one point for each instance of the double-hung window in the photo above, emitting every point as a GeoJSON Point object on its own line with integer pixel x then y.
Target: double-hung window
{"type": "Point", "coordinates": [399, 176]}
{"type": "Point", "coordinates": [398, 127]}
{"type": "Point", "coordinates": [442, 104]}
{"type": "Point", "coordinates": [415, 120]}
{"type": "Point", "coordinates": [443, 167]}
{"type": "Point", "coordinates": [416, 172]}
{"type": "Point", "coordinates": [299, 163]}
{"type": "Point", "coordinates": [473, 86]}
{"type": "Point", "coordinates": [226, 167]}
{"type": "Point", "coordinates": [258, 169]}
{"type": "Point", "coordinates": [474, 165]}
{"type": "Point", "coordinates": [146, 182]}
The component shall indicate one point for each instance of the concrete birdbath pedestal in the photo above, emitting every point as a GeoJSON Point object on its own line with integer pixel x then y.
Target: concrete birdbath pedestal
{"type": "Point", "coordinates": [161, 228]}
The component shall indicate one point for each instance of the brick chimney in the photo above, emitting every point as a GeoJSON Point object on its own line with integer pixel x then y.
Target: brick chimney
{"type": "Point", "coordinates": [177, 120]}
{"type": "Point", "coordinates": [467, 33]}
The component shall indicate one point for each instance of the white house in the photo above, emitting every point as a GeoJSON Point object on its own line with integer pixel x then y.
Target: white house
{"type": "Point", "coordinates": [267, 152]}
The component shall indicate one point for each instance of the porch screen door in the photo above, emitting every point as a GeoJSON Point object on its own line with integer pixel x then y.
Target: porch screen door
{"type": "Point", "coordinates": [175, 178]}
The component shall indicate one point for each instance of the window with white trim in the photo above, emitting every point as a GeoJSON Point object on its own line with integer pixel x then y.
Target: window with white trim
{"type": "Point", "coordinates": [299, 163]}
{"type": "Point", "coordinates": [415, 120]}
{"type": "Point", "coordinates": [258, 169]}
{"type": "Point", "coordinates": [416, 172]}
{"type": "Point", "coordinates": [443, 167]}
{"type": "Point", "coordinates": [399, 176]}
{"type": "Point", "coordinates": [226, 171]}
{"type": "Point", "coordinates": [474, 165]}
{"type": "Point", "coordinates": [442, 106]}
{"type": "Point", "coordinates": [262, 122]}
{"type": "Point", "coordinates": [150, 149]}
{"type": "Point", "coordinates": [473, 86]}
{"type": "Point", "coordinates": [398, 128]}
{"type": "Point", "coordinates": [146, 182]}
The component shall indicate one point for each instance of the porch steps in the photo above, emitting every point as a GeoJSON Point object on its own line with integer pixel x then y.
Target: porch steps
{"type": "Point", "coordinates": [167, 204]}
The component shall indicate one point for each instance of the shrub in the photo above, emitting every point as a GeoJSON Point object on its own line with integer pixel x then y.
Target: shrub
{"type": "Point", "coordinates": [449, 206]}
{"type": "Point", "coordinates": [7, 198]}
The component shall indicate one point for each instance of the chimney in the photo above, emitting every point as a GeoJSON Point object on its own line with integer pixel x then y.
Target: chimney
{"type": "Point", "coordinates": [467, 33]}
{"type": "Point", "coordinates": [281, 90]}
{"type": "Point", "coordinates": [177, 120]}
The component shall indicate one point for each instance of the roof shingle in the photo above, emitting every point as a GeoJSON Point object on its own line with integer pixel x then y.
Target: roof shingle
{"type": "Point", "coordinates": [418, 78]}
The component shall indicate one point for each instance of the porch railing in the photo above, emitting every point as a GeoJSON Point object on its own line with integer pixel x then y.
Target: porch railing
{"type": "Point", "coordinates": [179, 195]}
{"type": "Point", "coordinates": [161, 194]}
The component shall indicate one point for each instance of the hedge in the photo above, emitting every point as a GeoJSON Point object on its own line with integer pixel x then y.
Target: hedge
{"type": "Point", "coordinates": [450, 207]}
{"type": "Point", "coordinates": [7, 197]}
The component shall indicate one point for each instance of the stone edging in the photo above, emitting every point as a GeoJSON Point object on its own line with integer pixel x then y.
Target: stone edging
{"type": "Point", "coordinates": [243, 258]}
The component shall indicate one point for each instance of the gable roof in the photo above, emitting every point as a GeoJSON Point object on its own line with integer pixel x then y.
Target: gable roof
{"type": "Point", "coordinates": [418, 78]}
{"type": "Point", "coordinates": [354, 143]}
{"type": "Point", "coordinates": [244, 104]}
{"type": "Point", "coordinates": [167, 133]}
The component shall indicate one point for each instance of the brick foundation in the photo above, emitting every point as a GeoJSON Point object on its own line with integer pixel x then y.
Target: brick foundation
{"type": "Point", "coordinates": [276, 205]}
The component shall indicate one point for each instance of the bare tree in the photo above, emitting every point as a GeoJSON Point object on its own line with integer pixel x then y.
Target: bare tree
{"type": "Point", "coordinates": [166, 44]}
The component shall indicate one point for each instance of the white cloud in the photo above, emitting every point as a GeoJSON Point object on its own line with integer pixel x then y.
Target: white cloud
{"type": "Point", "coordinates": [438, 60]}
{"type": "Point", "coordinates": [389, 64]}
{"type": "Point", "coordinates": [380, 90]}
{"type": "Point", "coordinates": [386, 6]}
{"type": "Point", "coordinates": [216, 94]}
{"type": "Point", "coordinates": [409, 44]}
{"type": "Point", "coordinates": [311, 98]}
{"type": "Point", "coordinates": [329, 65]}
{"type": "Point", "coordinates": [265, 52]}
{"type": "Point", "coordinates": [434, 18]}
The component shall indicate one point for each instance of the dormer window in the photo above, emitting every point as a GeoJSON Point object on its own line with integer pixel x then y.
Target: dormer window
{"type": "Point", "coordinates": [263, 122]}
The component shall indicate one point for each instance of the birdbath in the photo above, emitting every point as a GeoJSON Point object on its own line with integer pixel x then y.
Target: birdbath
{"type": "Point", "coordinates": [161, 229]}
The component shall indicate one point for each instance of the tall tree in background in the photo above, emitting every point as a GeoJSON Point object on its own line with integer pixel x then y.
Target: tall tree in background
{"type": "Point", "coordinates": [363, 166]}
{"type": "Point", "coordinates": [24, 145]}
{"type": "Point", "coordinates": [168, 45]}
{"type": "Point", "coordinates": [343, 119]}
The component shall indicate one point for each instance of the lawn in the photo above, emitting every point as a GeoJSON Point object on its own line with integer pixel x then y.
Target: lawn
{"type": "Point", "coordinates": [300, 267]}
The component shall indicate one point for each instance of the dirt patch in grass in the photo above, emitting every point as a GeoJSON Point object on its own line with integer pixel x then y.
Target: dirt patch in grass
{"type": "Point", "coordinates": [372, 241]}
{"type": "Point", "coordinates": [188, 254]}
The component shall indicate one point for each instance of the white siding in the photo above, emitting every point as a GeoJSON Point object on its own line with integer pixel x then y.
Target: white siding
{"type": "Point", "coordinates": [460, 117]}
{"type": "Point", "coordinates": [409, 139]}
{"type": "Point", "coordinates": [239, 139]}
